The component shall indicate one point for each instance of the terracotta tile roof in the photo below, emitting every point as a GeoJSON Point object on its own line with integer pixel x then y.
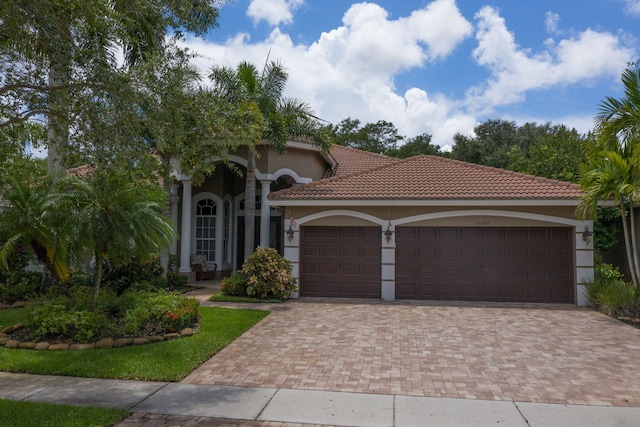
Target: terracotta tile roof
{"type": "Point", "coordinates": [432, 178]}
{"type": "Point", "coordinates": [351, 160]}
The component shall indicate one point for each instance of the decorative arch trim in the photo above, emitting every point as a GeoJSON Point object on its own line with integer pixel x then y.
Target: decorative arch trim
{"type": "Point", "coordinates": [341, 212]}
{"type": "Point", "coordinates": [291, 173]}
{"type": "Point", "coordinates": [443, 214]}
{"type": "Point", "coordinates": [489, 212]}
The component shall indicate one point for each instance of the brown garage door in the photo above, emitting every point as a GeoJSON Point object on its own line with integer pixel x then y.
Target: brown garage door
{"type": "Point", "coordinates": [340, 262]}
{"type": "Point", "coordinates": [485, 264]}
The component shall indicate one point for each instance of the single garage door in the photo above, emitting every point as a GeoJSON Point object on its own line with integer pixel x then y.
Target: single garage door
{"type": "Point", "coordinates": [340, 262]}
{"type": "Point", "coordinates": [524, 264]}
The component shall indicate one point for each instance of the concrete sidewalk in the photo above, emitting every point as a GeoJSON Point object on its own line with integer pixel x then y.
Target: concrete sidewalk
{"type": "Point", "coordinates": [300, 406]}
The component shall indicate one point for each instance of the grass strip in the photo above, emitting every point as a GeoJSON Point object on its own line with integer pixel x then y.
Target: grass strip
{"type": "Point", "coordinates": [164, 361]}
{"type": "Point", "coordinates": [29, 414]}
{"type": "Point", "coordinates": [230, 298]}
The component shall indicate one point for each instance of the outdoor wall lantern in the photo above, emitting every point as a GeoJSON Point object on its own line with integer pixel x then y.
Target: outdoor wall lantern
{"type": "Point", "coordinates": [388, 234]}
{"type": "Point", "coordinates": [290, 232]}
{"type": "Point", "coordinates": [586, 235]}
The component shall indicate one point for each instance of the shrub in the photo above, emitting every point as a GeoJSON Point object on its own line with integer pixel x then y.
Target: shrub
{"type": "Point", "coordinates": [268, 275]}
{"type": "Point", "coordinates": [167, 309]}
{"type": "Point", "coordinates": [134, 274]}
{"type": "Point", "coordinates": [611, 294]}
{"type": "Point", "coordinates": [20, 286]}
{"type": "Point", "coordinates": [55, 320]}
{"type": "Point", "coordinates": [235, 285]}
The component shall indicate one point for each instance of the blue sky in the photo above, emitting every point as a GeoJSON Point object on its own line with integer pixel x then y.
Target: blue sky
{"type": "Point", "coordinates": [437, 67]}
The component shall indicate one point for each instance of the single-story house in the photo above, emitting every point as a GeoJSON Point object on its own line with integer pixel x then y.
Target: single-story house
{"type": "Point", "coordinates": [358, 224]}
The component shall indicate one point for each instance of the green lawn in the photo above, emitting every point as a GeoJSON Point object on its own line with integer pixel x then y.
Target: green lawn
{"type": "Point", "coordinates": [164, 361]}
{"type": "Point", "coordinates": [29, 414]}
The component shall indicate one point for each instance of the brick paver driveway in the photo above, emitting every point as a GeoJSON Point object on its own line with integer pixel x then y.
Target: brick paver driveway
{"type": "Point", "coordinates": [520, 352]}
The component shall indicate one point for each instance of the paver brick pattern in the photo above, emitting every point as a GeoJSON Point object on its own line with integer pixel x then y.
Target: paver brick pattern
{"type": "Point", "coordinates": [490, 351]}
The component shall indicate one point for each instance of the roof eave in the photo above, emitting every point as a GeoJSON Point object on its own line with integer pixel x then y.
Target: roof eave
{"type": "Point", "coordinates": [411, 202]}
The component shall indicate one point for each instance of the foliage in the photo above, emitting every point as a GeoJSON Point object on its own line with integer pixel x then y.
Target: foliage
{"type": "Point", "coordinates": [555, 154]}
{"type": "Point", "coordinates": [167, 309]}
{"type": "Point", "coordinates": [40, 218]}
{"type": "Point", "coordinates": [234, 285]}
{"type": "Point", "coordinates": [610, 294]}
{"type": "Point", "coordinates": [54, 320]}
{"type": "Point", "coordinates": [231, 298]}
{"type": "Point", "coordinates": [59, 59]}
{"type": "Point", "coordinates": [117, 218]}
{"type": "Point", "coordinates": [606, 228]}
{"type": "Point", "coordinates": [268, 274]}
{"type": "Point", "coordinates": [157, 362]}
{"type": "Point", "coordinates": [27, 414]}
{"type": "Point", "coordinates": [381, 137]}
{"type": "Point", "coordinates": [417, 145]}
{"type": "Point", "coordinates": [17, 284]}
{"type": "Point", "coordinates": [19, 287]}
{"type": "Point", "coordinates": [16, 151]}
{"type": "Point", "coordinates": [612, 168]}
{"type": "Point", "coordinates": [490, 146]}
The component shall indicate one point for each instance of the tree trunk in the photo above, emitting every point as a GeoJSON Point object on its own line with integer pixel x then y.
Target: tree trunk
{"type": "Point", "coordinates": [57, 123]}
{"type": "Point", "coordinates": [634, 246]}
{"type": "Point", "coordinates": [627, 244]}
{"type": "Point", "coordinates": [250, 204]}
{"type": "Point", "coordinates": [97, 281]}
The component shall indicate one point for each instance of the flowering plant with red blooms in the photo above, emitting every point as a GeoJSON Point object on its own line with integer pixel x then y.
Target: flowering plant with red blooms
{"type": "Point", "coordinates": [183, 315]}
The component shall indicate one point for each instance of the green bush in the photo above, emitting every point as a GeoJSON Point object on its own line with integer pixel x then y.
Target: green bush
{"type": "Point", "coordinates": [20, 286]}
{"type": "Point", "coordinates": [234, 285]}
{"type": "Point", "coordinates": [611, 294]}
{"type": "Point", "coordinates": [54, 320]}
{"type": "Point", "coordinates": [268, 275]}
{"type": "Point", "coordinates": [166, 309]}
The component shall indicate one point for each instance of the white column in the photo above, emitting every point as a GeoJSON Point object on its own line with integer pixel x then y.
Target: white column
{"type": "Point", "coordinates": [265, 215]}
{"type": "Point", "coordinates": [185, 230]}
{"type": "Point", "coordinates": [388, 273]}
{"type": "Point", "coordinates": [174, 199]}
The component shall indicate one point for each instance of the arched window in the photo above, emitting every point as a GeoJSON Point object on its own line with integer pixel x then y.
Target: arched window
{"type": "Point", "coordinates": [206, 228]}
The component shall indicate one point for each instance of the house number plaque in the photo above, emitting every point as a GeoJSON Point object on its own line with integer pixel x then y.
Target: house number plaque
{"type": "Point", "coordinates": [482, 223]}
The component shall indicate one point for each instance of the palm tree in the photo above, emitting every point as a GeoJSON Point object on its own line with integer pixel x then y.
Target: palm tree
{"type": "Point", "coordinates": [117, 219]}
{"type": "Point", "coordinates": [285, 118]}
{"type": "Point", "coordinates": [613, 161]}
{"type": "Point", "coordinates": [38, 218]}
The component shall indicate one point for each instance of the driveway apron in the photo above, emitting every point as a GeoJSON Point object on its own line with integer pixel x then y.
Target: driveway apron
{"type": "Point", "coordinates": [490, 351]}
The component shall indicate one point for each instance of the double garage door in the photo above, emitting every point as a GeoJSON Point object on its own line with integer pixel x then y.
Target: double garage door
{"type": "Point", "coordinates": [520, 264]}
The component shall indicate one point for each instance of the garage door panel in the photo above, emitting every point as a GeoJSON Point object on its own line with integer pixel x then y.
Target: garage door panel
{"type": "Point", "coordinates": [348, 261]}
{"type": "Point", "coordinates": [486, 263]}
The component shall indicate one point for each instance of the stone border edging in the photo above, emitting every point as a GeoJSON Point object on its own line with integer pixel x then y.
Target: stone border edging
{"type": "Point", "coordinates": [106, 343]}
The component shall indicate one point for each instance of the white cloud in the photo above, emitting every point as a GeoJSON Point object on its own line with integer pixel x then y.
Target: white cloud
{"type": "Point", "coordinates": [633, 7]}
{"type": "Point", "coordinates": [551, 22]}
{"type": "Point", "coordinates": [275, 12]}
{"type": "Point", "coordinates": [349, 71]}
{"type": "Point", "coordinates": [516, 71]}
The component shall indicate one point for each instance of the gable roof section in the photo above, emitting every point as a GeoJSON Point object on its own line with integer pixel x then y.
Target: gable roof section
{"type": "Point", "coordinates": [352, 160]}
{"type": "Point", "coordinates": [431, 178]}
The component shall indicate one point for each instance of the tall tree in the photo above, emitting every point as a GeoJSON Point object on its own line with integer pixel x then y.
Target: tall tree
{"type": "Point", "coordinates": [380, 137]}
{"type": "Point", "coordinates": [54, 52]}
{"type": "Point", "coordinates": [284, 117]}
{"type": "Point", "coordinates": [490, 146]}
{"type": "Point", "coordinates": [612, 169]}
{"type": "Point", "coordinates": [555, 153]}
{"type": "Point", "coordinates": [420, 144]}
